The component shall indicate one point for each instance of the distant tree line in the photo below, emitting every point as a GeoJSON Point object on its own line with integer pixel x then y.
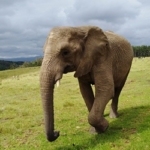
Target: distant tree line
{"type": "Point", "coordinates": [35, 63]}
{"type": "Point", "coordinates": [5, 65]}
{"type": "Point", "coordinates": [141, 51]}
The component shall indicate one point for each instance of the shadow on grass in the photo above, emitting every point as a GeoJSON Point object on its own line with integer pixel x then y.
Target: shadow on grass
{"type": "Point", "coordinates": [131, 121]}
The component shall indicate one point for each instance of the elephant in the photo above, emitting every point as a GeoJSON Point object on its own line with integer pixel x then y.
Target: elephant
{"type": "Point", "coordinates": [97, 57]}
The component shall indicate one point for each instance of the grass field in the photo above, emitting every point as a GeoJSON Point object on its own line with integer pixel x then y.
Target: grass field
{"type": "Point", "coordinates": [21, 116]}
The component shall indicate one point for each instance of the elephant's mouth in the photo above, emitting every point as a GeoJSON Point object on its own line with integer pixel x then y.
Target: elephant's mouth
{"type": "Point", "coordinates": [69, 68]}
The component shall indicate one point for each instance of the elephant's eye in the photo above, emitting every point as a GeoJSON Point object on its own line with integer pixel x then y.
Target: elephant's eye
{"type": "Point", "coordinates": [65, 52]}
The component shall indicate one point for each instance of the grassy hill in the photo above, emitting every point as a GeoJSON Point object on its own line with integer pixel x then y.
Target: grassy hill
{"type": "Point", "coordinates": [17, 72]}
{"type": "Point", "coordinates": [21, 115]}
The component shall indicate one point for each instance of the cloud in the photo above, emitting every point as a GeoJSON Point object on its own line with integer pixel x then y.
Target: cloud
{"type": "Point", "coordinates": [25, 24]}
{"type": "Point", "coordinates": [106, 11]}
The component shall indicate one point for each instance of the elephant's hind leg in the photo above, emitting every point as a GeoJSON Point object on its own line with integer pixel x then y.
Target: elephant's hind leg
{"type": "Point", "coordinates": [114, 104]}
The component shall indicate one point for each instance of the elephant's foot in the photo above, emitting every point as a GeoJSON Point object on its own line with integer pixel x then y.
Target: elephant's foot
{"type": "Point", "coordinates": [92, 130]}
{"type": "Point", "coordinates": [113, 114]}
{"type": "Point", "coordinates": [102, 127]}
{"type": "Point", "coordinates": [99, 128]}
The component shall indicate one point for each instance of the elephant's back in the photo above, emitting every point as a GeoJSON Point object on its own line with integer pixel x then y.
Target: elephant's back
{"type": "Point", "coordinates": [119, 45]}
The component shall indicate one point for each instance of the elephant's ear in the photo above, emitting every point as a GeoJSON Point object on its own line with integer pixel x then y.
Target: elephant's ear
{"type": "Point", "coordinates": [96, 48]}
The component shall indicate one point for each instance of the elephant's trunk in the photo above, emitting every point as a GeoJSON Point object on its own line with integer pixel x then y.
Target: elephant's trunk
{"type": "Point", "coordinates": [47, 81]}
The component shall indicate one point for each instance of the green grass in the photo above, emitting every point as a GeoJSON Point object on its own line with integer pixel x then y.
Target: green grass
{"type": "Point", "coordinates": [17, 72]}
{"type": "Point", "coordinates": [21, 116]}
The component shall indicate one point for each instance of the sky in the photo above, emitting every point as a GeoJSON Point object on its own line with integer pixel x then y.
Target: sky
{"type": "Point", "coordinates": [25, 24]}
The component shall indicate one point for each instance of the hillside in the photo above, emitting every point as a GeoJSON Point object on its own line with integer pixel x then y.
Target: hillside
{"type": "Point", "coordinates": [22, 121]}
{"type": "Point", "coordinates": [17, 72]}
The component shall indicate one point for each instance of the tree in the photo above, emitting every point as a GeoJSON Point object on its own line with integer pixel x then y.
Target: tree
{"type": "Point", "coordinates": [141, 51]}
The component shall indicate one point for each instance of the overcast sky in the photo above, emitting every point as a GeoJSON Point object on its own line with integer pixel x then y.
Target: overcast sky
{"type": "Point", "coordinates": [25, 24]}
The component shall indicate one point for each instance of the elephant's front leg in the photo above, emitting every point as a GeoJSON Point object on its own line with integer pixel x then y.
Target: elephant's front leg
{"type": "Point", "coordinates": [88, 96]}
{"type": "Point", "coordinates": [87, 93]}
{"type": "Point", "coordinates": [104, 91]}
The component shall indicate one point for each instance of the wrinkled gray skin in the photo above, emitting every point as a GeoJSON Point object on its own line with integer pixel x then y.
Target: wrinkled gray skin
{"type": "Point", "coordinates": [97, 57]}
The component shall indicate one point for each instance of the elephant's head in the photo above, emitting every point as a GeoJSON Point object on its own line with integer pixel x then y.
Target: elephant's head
{"type": "Point", "coordinates": [68, 49]}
